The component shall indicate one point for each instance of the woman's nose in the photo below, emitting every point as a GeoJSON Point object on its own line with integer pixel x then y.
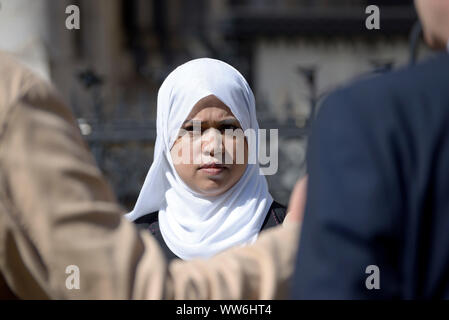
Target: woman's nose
{"type": "Point", "coordinates": [212, 142]}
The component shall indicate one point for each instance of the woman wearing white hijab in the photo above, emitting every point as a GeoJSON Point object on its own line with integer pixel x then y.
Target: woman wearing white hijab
{"type": "Point", "coordinates": [205, 205]}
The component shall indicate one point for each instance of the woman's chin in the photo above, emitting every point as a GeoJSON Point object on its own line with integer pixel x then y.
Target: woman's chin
{"type": "Point", "coordinates": [212, 189]}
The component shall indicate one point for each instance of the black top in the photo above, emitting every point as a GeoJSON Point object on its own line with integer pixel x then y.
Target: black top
{"type": "Point", "coordinates": [378, 191]}
{"type": "Point", "coordinates": [150, 222]}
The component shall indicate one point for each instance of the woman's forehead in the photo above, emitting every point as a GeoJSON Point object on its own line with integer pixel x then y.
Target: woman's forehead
{"type": "Point", "coordinates": [210, 107]}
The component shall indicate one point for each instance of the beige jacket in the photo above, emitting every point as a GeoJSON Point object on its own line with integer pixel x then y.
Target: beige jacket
{"type": "Point", "coordinates": [56, 210]}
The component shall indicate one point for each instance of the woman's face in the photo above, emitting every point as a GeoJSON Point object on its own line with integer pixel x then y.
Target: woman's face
{"type": "Point", "coordinates": [213, 158]}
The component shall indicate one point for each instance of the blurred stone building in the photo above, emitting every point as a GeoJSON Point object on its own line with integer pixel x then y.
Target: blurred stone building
{"type": "Point", "coordinates": [291, 52]}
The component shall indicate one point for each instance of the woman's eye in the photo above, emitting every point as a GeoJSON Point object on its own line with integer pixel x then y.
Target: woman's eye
{"type": "Point", "coordinates": [229, 127]}
{"type": "Point", "coordinates": [192, 128]}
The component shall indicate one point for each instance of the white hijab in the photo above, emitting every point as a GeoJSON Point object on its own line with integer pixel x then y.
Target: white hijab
{"type": "Point", "coordinates": [193, 225]}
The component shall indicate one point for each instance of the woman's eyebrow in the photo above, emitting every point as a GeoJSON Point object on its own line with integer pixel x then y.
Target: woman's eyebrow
{"type": "Point", "coordinates": [190, 122]}
{"type": "Point", "coordinates": [229, 121]}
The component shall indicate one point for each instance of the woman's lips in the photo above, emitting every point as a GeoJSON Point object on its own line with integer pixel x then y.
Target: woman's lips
{"type": "Point", "coordinates": [213, 168]}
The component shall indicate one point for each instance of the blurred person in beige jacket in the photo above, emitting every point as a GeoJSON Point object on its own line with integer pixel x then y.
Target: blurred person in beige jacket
{"type": "Point", "coordinates": [56, 210]}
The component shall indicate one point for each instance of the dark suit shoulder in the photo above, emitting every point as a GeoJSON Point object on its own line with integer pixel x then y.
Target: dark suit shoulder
{"type": "Point", "coordinates": [377, 93]}
{"type": "Point", "coordinates": [400, 113]}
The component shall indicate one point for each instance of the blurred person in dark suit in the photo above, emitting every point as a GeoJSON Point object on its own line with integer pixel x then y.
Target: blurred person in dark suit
{"type": "Point", "coordinates": [377, 214]}
{"type": "Point", "coordinates": [58, 214]}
